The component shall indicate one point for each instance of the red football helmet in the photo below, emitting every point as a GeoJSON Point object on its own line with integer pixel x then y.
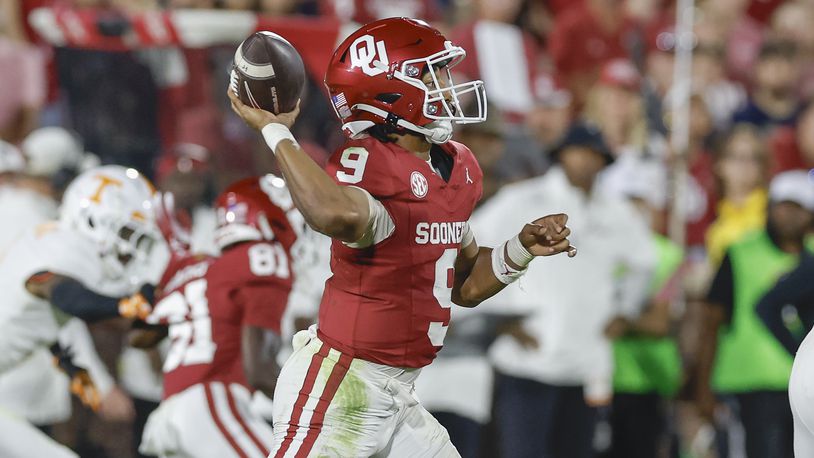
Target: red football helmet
{"type": "Point", "coordinates": [375, 77]}
{"type": "Point", "coordinates": [254, 209]}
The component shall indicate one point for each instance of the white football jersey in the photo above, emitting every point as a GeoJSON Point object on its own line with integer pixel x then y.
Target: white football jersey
{"type": "Point", "coordinates": [21, 210]}
{"type": "Point", "coordinates": [28, 322]}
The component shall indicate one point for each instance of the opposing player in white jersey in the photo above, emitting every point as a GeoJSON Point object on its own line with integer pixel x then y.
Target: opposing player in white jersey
{"type": "Point", "coordinates": [81, 265]}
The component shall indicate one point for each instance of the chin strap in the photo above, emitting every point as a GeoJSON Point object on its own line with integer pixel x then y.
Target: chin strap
{"type": "Point", "coordinates": [437, 132]}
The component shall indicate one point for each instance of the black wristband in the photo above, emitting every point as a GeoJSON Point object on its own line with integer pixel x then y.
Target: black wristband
{"type": "Point", "coordinates": [64, 359]}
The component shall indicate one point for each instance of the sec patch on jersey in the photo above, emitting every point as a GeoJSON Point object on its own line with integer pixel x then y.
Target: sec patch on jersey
{"type": "Point", "coordinates": [268, 73]}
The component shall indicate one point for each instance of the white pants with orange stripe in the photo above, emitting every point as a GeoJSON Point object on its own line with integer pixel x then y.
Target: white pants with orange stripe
{"type": "Point", "coordinates": [328, 404]}
{"type": "Point", "coordinates": [207, 420]}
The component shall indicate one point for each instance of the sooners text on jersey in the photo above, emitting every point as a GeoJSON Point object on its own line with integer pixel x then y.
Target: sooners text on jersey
{"type": "Point", "coordinates": [390, 303]}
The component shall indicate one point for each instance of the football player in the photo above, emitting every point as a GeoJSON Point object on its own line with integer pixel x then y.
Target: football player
{"type": "Point", "coordinates": [396, 200]}
{"type": "Point", "coordinates": [224, 317]}
{"type": "Point", "coordinates": [82, 265]}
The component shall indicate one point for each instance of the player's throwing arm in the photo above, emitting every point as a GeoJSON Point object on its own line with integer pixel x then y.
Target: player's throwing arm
{"type": "Point", "coordinates": [342, 212]}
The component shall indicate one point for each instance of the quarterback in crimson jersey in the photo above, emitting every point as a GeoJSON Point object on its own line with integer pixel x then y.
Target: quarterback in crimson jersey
{"type": "Point", "coordinates": [224, 316]}
{"type": "Point", "coordinates": [396, 199]}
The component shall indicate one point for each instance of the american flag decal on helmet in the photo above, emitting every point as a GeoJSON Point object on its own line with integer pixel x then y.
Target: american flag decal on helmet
{"type": "Point", "coordinates": [339, 100]}
{"type": "Point", "coordinates": [341, 105]}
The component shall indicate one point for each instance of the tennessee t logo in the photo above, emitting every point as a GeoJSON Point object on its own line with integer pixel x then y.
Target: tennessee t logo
{"type": "Point", "coordinates": [105, 181]}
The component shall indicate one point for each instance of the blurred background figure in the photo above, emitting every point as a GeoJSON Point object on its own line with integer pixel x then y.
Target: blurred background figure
{"type": "Point", "coordinates": [584, 37]}
{"type": "Point", "coordinates": [52, 157]}
{"type": "Point", "coordinates": [742, 167]}
{"type": "Point", "coordinates": [774, 100]}
{"type": "Point", "coordinates": [614, 104]}
{"type": "Point", "coordinates": [647, 364]}
{"type": "Point", "coordinates": [555, 365]}
{"type": "Point", "coordinates": [739, 356]}
{"type": "Point", "coordinates": [185, 172]}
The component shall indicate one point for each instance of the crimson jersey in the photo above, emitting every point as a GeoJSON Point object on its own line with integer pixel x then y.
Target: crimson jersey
{"type": "Point", "coordinates": [390, 303]}
{"type": "Point", "coordinates": [206, 301]}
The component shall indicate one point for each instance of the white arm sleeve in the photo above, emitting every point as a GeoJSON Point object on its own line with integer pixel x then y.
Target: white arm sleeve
{"type": "Point", "coordinates": [75, 334]}
{"type": "Point", "coordinates": [380, 225]}
{"type": "Point", "coordinates": [467, 236]}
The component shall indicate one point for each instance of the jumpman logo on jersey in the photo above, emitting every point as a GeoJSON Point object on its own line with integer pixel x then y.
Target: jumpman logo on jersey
{"type": "Point", "coordinates": [468, 179]}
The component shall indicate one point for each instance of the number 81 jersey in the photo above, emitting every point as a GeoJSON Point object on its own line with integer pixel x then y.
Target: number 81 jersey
{"type": "Point", "coordinates": [206, 301]}
{"type": "Point", "coordinates": [389, 302]}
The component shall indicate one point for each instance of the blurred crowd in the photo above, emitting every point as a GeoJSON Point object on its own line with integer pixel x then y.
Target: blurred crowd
{"type": "Point", "coordinates": [642, 346]}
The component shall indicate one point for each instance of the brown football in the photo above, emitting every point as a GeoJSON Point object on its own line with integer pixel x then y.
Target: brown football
{"type": "Point", "coordinates": [268, 73]}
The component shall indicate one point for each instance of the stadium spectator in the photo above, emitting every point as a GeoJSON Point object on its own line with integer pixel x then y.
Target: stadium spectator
{"type": "Point", "coordinates": [726, 21]}
{"type": "Point", "coordinates": [773, 101]}
{"type": "Point", "coordinates": [615, 105]}
{"type": "Point", "coordinates": [738, 355]}
{"type": "Point", "coordinates": [550, 117]}
{"type": "Point", "coordinates": [793, 147]}
{"type": "Point", "coordinates": [555, 365]}
{"type": "Point", "coordinates": [742, 168]}
{"type": "Point", "coordinates": [584, 37]}
{"type": "Point", "coordinates": [527, 151]}
{"type": "Point", "coordinates": [701, 182]}
{"type": "Point", "coordinates": [792, 21]}
{"type": "Point", "coordinates": [647, 365]}
{"type": "Point", "coordinates": [722, 96]}
{"type": "Point", "coordinates": [500, 53]}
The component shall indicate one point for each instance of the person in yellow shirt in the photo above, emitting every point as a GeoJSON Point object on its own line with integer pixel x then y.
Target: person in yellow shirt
{"type": "Point", "coordinates": [742, 167]}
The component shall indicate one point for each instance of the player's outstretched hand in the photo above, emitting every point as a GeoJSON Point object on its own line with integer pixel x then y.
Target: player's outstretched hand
{"type": "Point", "coordinates": [548, 236]}
{"type": "Point", "coordinates": [257, 118]}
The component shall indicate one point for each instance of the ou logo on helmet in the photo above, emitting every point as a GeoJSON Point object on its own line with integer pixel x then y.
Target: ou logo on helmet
{"type": "Point", "coordinates": [419, 185]}
{"type": "Point", "coordinates": [364, 51]}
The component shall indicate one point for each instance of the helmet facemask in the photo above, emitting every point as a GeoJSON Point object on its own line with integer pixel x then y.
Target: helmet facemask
{"type": "Point", "coordinates": [443, 101]}
{"type": "Point", "coordinates": [127, 252]}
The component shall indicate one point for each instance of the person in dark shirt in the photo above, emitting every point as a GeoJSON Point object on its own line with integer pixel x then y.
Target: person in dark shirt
{"type": "Point", "coordinates": [773, 101]}
{"type": "Point", "coordinates": [737, 355]}
{"type": "Point", "coordinates": [797, 290]}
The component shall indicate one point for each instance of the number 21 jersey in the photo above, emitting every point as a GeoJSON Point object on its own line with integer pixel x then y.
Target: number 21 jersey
{"type": "Point", "coordinates": [206, 301]}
